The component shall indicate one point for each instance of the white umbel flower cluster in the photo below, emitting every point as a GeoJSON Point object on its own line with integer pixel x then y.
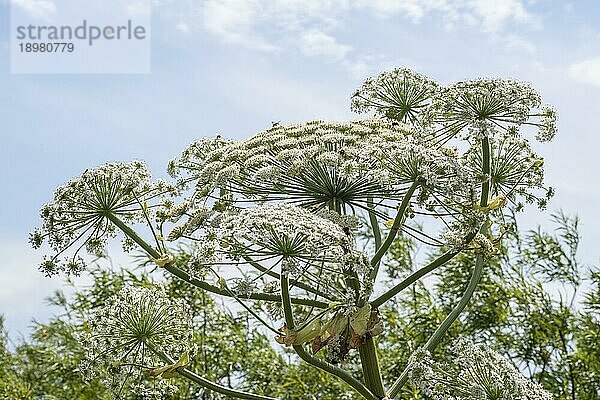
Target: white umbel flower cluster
{"type": "Point", "coordinates": [127, 334]}
{"type": "Point", "coordinates": [284, 231]}
{"type": "Point", "coordinates": [485, 107]}
{"type": "Point", "coordinates": [309, 247]}
{"type": "Point", "coordinates": [476, 372]}
{"type": "Point", "coordinates": [400, 94]}
{"type": "Point", "coordinates": [440, 170]}
{"type": "Point", "coordinates": [312, 164]}
{"type": "Point", "coordinates": [77, 218]}
{"type": "Point", "coordinates": [517, 172]}
{"type": "Point", "coordinates": [472, 109]}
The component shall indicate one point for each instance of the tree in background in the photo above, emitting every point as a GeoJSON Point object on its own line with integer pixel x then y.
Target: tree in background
{"type": "Point", "coordinates": [273, 224]}
{"type": "Point", "coordinates": [230, 349]}
{"type": "Point", "coordinates": [12, 386]}
{"type": "Point", "coordinates": [536, 304]}
{"type": "Point", "coordinates": [554, 341]}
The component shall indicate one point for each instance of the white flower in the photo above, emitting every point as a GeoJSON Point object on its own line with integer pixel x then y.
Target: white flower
{"type": "Point", "coordinates": [128, 334]}
{"type": "Point", "coordinates": [517, 172]}
{"type": "Point", "coordinates": [476, 372]}
{"type": "Point", "coordinates": [313, 164]}
{"type": "Point", "coordinates": [78, 216]}
{"type": "Point", "coordinates": [400, 94]}
{"type": "Point", "coordinates": [282, 231]}
{"type": "Point", "coordinates": [487, 106]}
{"type": "Point", "coordinates": [265, 241]}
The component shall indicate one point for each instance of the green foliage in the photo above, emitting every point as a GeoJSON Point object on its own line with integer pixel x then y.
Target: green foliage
{"type": "Point", "coordinates": [231, 350]}
{"type": "Point", "coordinates": [552, 339]}
{"type": "Point", "coordinates": [12, 385]}
{"type": "Point", "coordinates": [526, 307]}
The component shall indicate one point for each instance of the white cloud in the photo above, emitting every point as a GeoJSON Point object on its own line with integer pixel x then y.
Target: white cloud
{"type": "Point", "coordinates": [40, 9]}
{"type": "Point", "coordinates": [516, 42]}
{"type": "Point", "coordinates": [494, 14]}
{"type": "Point", "coordinates": [315, 43]}
{"type": "Point", "coordinates": [312, 27]}
{"type": "Point", "coordinates": [414, 9]}
{"type": "Point", "coordinates": [487, 15]}
{"type": "Point", "coordinates": [182, 27]}
{"type": "Point", "coordinates": [235, 22]}
{"type": "Point", "coordinates": [587, 71]}
{"type": "Point", "coordinates": [138, 8]}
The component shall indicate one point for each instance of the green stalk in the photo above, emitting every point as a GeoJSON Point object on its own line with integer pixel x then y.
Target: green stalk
{"type": "Point", "coordinates": [474, 280]}
{"type": "Point", "coordinates": [395, 227]}
{"type": "Point", "coordinates": [370, 366]}
{"type": "Point", "coordinates": [317, 362]}
{"type": "Point", "coordinates": [209, 384]}
{"type": "Point", "coordinates": [374, 223]}
{"type": "Point", "coordinates": [368, 350]}
{"type": "Point", "coordinates": [444, 258]}
{"type": "Point", "coordinates": [441, 330]}
{"type": "Point", "coordinates": [485, 187]}
{"type": "Point", "coordinates": [435, 339]}
{"type": "Point", "coordinates": [181, 274]}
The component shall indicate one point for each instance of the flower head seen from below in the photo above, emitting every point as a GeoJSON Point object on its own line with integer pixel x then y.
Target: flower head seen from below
{"type": "Point", "coordinates": [400, 94]}
{"type": "Point", "coordinates": [265, 241]}
{"type": "Point", "coordinates": [78, 216]}
{"type": "Point", "coordinates": [516, 171]}
{"type": "Point", "coordinates": [485, 107]}
{"type": "Point", "coordinates": [316, 164]}
{"type": "Point", "coordinates": [472, 109]}
{"type": "Point", "coordinates": [476, 372]}
{"type": "Point", "coordinates": [131, 334]}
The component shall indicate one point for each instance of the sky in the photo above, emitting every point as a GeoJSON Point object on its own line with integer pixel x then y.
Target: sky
{"type": "Point", "coordinates": [234, 66]}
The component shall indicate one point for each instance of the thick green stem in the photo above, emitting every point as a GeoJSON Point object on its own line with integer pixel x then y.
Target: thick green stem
{"type": "Point", "coordinates": [286, 301]}
{"type": "Point", "coordinates": [321, 364]}
{"type": "Point", "coordinates": [475, 276]}
{"type": "Point", "coordinates": [435, 339]}
{"type": "Point", "coordinates": [336, 371]}
{"type": "Point", "coordinates": [441, 330]}
{"type": "Point", "coordinates": [485, 187]}
{"type": "Point", "coordinates": [209, 384]}
{"type": "Point", "coordinates": [376, 234]}
{"type": "Point", "coordinates": [370, 367]}
{"type": "Point", "coordinates": [444, 258]}
{"type": "Point", "coordinates": [181, 274]}
{"type": "Point", "coordinates": [398, 220]}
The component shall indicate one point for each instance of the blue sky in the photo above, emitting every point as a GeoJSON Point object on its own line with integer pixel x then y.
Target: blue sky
{"type": "Point", "coordinates": [234, 66]}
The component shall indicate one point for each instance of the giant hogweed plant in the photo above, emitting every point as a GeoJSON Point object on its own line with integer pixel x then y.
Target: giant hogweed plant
{"type": "Point", "coordinates": [275, 223]}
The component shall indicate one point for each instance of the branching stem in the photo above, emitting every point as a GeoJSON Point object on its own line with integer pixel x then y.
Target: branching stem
{"type": "Point", "coordinates": [181, 274]}
{"type": "Point", "coordinates": [317, 362]}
